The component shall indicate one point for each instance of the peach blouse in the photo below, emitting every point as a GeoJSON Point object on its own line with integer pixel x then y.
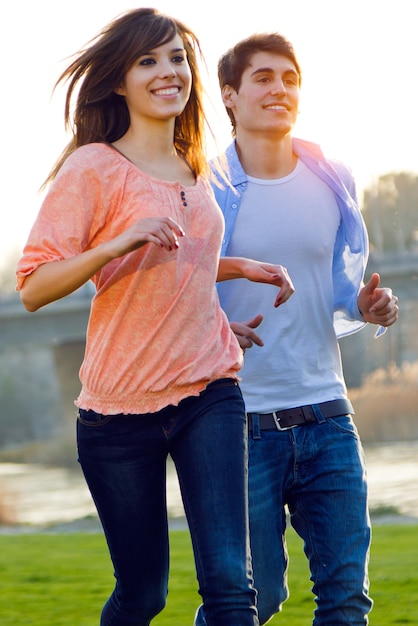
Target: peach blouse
{"type": "Point", "coordinates": [156, 332]}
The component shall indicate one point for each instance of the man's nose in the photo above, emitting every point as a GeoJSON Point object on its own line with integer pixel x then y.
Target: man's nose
{"type": "Point", "coordinates": [278, 88]}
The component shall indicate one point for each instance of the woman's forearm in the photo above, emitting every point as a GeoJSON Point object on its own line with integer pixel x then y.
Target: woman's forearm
{"type": "Point", "coordinates": [57, 279]}
{"type": "Point", "coordinates": [232, 267]}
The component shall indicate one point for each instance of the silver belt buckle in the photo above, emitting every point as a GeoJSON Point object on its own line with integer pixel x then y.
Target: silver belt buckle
{"type": "Point", "coordinates": [277, 422]}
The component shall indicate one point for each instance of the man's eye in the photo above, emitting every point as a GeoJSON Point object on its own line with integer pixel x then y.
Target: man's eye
{"type": "Point", "coordinates": [291, 79]}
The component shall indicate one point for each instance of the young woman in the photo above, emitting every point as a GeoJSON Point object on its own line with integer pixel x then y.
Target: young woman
{"type": "Point", "coordinates": [130, 207]}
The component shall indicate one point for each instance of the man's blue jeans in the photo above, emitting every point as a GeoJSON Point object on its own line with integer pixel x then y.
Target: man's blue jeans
{"type": "Point", "coordinates": [318, 471]}
{"type": "Point", "coordinates": [124, 462]}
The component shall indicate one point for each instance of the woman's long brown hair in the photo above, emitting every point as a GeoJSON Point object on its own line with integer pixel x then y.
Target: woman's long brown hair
{"type": "Point", "coordinates": [101, 115]}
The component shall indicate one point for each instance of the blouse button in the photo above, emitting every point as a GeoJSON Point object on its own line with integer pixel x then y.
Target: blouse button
{"type": "Point", "coordinates": [183, 197]}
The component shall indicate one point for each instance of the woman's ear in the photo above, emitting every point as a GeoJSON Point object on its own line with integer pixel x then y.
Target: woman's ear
{"type": "Point", "coordinates": [120, 90]}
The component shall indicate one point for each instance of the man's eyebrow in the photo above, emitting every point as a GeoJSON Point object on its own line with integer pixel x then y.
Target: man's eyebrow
{"type": "Point", "coordinates": [262, 70]}
{"type": "Point", "coordinates": [270, 70]}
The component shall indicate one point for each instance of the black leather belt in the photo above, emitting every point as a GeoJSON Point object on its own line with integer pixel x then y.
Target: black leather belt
{"type": "Point", "coordinates": [289, 418]}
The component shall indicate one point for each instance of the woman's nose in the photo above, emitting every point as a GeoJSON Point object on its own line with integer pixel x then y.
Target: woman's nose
{"type": "Point", "coordinates": [168, 71]}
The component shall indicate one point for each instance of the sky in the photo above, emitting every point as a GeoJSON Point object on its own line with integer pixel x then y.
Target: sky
{"type": "Point", "coordinates": [359, 98]}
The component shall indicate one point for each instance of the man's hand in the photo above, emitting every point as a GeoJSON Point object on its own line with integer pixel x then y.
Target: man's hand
{"type": "Point", "coordinates": [377, 304]}
{"type": "Point", "coordinates": [244, 332]}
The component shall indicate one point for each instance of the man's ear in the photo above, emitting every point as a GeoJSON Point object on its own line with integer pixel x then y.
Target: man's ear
{"type": "Point", "coordinates": [228, 94]}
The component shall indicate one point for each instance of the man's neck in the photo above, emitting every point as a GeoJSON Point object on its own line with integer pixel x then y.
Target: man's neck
{"type": "Point", "coordinates": [266, 157]}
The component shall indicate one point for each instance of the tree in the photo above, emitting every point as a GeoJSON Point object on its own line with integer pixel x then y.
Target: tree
{"type": "Point", "coordinates": [390, 210]}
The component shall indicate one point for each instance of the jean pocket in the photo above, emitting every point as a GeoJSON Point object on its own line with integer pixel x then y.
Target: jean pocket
{"type": "Point", "coordinates": [344, 424]}
{"type": "Point", "coordinates": [91, 418]}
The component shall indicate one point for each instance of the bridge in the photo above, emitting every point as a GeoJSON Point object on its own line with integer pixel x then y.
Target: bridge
{"type": "Point", "coordinates": [40, 353]}
{"type": "Point", "coordinates": [66, 320]}
{"type": "Point", "coordinates": [63, 321]}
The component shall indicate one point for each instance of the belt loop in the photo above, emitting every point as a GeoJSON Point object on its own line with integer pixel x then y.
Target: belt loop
{"type": "Point", "coordinates": [318, 414]}
{"type": "Point", "coordinates": [255, 425]}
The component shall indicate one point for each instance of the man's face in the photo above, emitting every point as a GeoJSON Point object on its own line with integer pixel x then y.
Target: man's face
{"type": "Point", "coordinates": [268, 98]}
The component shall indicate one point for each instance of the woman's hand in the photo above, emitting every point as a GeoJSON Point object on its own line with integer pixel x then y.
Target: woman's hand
{"type": "Point", "coordinates": [161, 231]}
{"type": "Point", "coordinates": [273, 275]}
{"type": "Point", "coordinates": [258, 272]}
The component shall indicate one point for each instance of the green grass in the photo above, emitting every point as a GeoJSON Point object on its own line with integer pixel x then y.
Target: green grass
{"type": "Point", "coordinates": [63, 579]}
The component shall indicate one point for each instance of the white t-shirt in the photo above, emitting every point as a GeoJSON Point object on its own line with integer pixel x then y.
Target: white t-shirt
{"type": "Point", "coordinates": [292, 221]}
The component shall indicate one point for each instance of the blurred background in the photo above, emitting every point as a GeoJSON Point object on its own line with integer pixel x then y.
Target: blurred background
{"type": "Point", "coordinates": [359, 101]}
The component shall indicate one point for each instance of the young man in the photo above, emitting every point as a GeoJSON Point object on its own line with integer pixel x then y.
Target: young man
{"type": "Point", "coordinates": [294, 205]}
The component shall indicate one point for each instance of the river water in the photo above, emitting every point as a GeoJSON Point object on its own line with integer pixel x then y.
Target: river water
{"type": "Point", "coordinates": [39, 496]}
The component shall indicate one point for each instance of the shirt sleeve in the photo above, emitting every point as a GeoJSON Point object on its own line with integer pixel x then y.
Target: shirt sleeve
{"type": "Point", "coordinates": [68, 219]}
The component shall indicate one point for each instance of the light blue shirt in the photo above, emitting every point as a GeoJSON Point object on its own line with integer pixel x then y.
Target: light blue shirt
{"type": "Point", "coordinates": [351, 245]}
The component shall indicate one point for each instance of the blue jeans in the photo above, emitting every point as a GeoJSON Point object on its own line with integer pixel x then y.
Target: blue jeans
{"type": "Point", "coordinates": [318, 471]}
{"type": "Point", "coordinates": [123, 458]}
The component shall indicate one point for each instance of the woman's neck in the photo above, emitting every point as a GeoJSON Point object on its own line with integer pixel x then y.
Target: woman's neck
{"type": "Point", "coordinates": [155, 154]}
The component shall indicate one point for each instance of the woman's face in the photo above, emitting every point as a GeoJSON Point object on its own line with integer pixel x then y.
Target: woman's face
{"type": "Point", "coordinates": [158, 84]}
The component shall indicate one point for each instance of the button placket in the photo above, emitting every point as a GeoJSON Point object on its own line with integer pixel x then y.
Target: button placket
{"type": "Point", "coordinates": [183, 198]}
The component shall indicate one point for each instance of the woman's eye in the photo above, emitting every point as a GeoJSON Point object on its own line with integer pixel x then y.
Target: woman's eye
{"type": "Point", "coordinates": [147, 61]}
